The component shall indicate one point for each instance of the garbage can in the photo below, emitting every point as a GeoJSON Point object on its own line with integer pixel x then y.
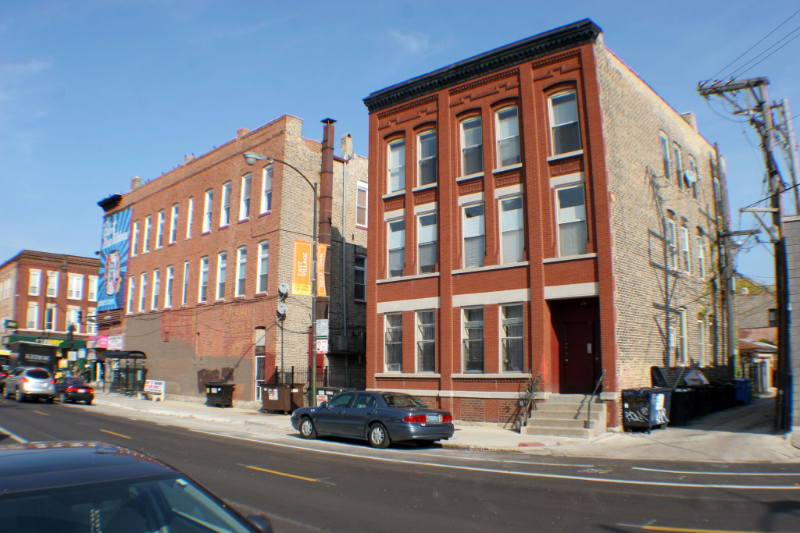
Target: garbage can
{"type": "Point", "coordinates": [220, 394]}
{"type": "Point", "coordinates": [326, 394]}
{"type": "Point", "coordinates": [276, 397]}
{"type": "Point", "coordinates": [680, 407]}
{"type": "Point", "coordinates": [743, 387]}
{"type": "Point", "coordinates": [297, 396]}
{"type": "Point", "coordinates": [701, 403]}
{"type": "Point", "coordinates": [645, 408]}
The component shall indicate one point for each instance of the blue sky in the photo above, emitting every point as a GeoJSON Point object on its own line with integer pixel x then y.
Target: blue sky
{"type": "Point", "coordinates": [93, 92]}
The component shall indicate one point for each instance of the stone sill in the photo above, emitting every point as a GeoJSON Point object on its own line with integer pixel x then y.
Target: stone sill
{"type": "Point", "coordinates": [407, 278]}
{"type": "Point", "coordinates": [477, 375]}
{"type": "Point", "coordinates": [568, 258]}
{"type": "Point", "coordinates": [400, 375]}
{"type": "Point", "coordinates": [490, 267]}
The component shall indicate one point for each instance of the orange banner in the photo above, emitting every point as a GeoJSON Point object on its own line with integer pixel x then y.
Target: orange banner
{"type": "Point", "coordinates": [301, 269]}
{"type": "Point", "coordinates": [322, 288]}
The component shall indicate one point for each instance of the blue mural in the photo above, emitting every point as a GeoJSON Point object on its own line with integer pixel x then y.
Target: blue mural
{"type": "Point", "coordinates": [114, 260]}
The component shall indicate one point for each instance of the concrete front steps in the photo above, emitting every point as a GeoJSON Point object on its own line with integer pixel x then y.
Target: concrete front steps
{"type": "Point", "coordinates": [565, 415]}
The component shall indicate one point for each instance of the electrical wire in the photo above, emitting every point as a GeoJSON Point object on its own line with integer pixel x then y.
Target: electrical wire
{"type": "Point", "coordinates": [787, 42]}
{"type": "Point", "coordinates": [770, 197]}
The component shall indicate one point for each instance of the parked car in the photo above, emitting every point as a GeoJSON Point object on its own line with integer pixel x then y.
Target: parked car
{"type": "Point", "coordinates": [74, 389]}
{"type": "Point", "coordinates": [91, 486]}
{"type": "Point", "coordinates": [30, 383]}
{"type": "Point", "coordinates": [378, 417]}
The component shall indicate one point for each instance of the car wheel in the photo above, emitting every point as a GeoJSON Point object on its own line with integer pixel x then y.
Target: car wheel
{"type": "Point", "coordinates": [307, 429]}
{"type": "Point", "coordinates": [50, 399]}
{"type": "Point", "coordinates": [88, 402]}
{"type": "Point", "coordinates": [379, 437]}
{"type": "Point", "coordinates": [20, 397]}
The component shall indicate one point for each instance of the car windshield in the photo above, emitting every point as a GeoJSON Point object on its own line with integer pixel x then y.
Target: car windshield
{"type": "Point", "coordinates": [37, 374]}
{"type": "Point", "coordinates": [403, 400]}
{"type": "Point", "coordinates": [169, 504]}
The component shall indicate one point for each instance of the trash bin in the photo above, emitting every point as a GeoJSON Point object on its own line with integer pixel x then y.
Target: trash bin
{"type": "Point", "coordinates": [326, 394]}
{"type": "Point", "coordinates": [702, 400]}
{"type": "Point", "coordinates": [680, 407]}
{"type": "Point", "coordinates": [276, 397]}
{"type": "Point", "coordinates": [297, 395]}
{"type": "Point", "coordinates": [645, 408]}
{"type": "Point", "coordinates": [743, 388]}
{"type": "Point", "coordinates": [220, 394]}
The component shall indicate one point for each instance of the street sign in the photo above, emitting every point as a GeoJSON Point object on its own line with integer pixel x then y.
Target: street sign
{"type": "Point", "coordinates": [322, 328]}
{"type": "Point", "coordinates": [11, 324]}
{"type": "Point", "coordinates": [322, 345]}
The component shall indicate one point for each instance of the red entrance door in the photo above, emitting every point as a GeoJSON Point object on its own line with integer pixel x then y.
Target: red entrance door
{"type": "Point", "coordinates": [577, 358]}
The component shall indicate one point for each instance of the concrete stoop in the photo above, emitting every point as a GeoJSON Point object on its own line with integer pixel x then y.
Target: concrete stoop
{"type": "Point", "coordinates": [565, 415]}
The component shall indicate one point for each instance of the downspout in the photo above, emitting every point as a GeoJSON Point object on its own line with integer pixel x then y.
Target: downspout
{"type": "Point", "coordinates": [344, 258]}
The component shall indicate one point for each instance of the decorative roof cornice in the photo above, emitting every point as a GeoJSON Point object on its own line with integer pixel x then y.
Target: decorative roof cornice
{"type": "Point", "coordinates": [555, 40]}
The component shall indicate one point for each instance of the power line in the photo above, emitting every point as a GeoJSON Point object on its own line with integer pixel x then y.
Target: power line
{"type": "Point", "coordinates": [787, 42]}
{"type": "Point", "coordinates": [770, 197]}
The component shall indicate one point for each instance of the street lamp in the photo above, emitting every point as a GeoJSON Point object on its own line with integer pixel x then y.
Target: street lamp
{"type": "Point", "coordinates": [250, 158]}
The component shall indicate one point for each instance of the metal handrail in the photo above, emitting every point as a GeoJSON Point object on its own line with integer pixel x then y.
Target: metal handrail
{"type": "Point", "coordinates": [591, 399]}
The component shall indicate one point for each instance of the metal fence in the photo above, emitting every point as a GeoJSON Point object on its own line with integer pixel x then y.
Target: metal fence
{"type": "Point", "coordinates": [346, 378]}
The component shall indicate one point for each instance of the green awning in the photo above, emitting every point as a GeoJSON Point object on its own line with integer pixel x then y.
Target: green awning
{"type": "Point", "coordinates": [59, 341]}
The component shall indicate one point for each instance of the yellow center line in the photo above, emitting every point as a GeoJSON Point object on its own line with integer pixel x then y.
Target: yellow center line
{"type": "Point", "coordinates": [41, 413]}
{"type": "Point", "coordinates": [686, 529]}
{"type": "Point", "coordinates": [282, 474]}
{"type": "Point", "coordinates": [117, 434]}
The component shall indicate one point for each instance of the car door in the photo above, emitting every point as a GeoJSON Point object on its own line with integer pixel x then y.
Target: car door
{"type": "Point", "coordinates": [328, 419]}
{"type": "Point", "coordinates": [356, 416]}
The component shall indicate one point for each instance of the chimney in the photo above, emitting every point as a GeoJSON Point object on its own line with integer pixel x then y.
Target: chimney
{"type": "Point", "coordinates": [188, 158]}
{"type": "Point", "coordinates": [691, 118]}
{"type": "Point", "coordinates": [241, 132]}
{"type": "Point", "coordinates": [136, 182]}
{"type": "Point", "coordinates": [326, 203]}
{"type": "Point", "coordinates": [347, 146]}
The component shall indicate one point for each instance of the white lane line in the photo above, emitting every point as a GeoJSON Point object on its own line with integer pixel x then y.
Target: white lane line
{"type": "Point", "coordinates": [500, 460]}
{"type": "Point", "coordinates": [13, 435]}
{"type": "Point", "coordinates": [513, 472]}
{"type": "Point", "coordinates": [685, 472]}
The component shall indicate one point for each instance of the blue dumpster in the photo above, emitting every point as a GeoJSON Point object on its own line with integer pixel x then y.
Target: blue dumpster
{"type": "Point", "coordinates": [743, 388]}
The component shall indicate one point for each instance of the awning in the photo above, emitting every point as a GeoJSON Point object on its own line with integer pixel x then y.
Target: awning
{"type": "Point", "coordinates": [114, 354]}
{"type": "Point", "coordinates": [53, 340]}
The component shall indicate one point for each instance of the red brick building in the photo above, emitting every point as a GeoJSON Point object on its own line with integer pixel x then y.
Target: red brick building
{"type": "Point", "coordinates": [528, 207]}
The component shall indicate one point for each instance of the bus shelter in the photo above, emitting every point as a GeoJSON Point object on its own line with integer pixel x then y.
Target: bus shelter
{"type": "Point", "coordinates": [128, 372]}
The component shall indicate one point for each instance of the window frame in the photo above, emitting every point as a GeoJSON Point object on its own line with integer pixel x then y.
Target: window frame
{"type": "Point", "coordinates": [52, 275]}
{"type": "Point", "coordinates": [263, 273]}
{"type": "Point", "coordinates": [553, 125]}
{"type": "Point", "coordinates": [131, 294]}
{"type": "Point", "coordinates": [466, 340]}
{"type": "Point", "coordinates": [362, 186]}
{"type": "Point", "coordinates": [701, 342]}
{"type": "Point", "coordinates": [696, 172]}
{"type": "Point", "coordinates": [266, 192]}
{"type": "Point", "coordinates": [208, 210]}
{"type": "Point", "coordinates": [71, 317]}
{"type": "Point", "coordinates": [672, 245]}
{"type": "Point", "coordinates": [156, 289]}
{"type": "Point", "coordinates": [91, 321]}
{"type": "Point", "coordinates": [37, 274]}
{"type": "Point", "coordinates": [246, 192]}
{"type": "Point", "coordinates": [666, 158]}
{"type": "Point", "coordinates": [35, 307]}
{"type": "Point", "coordinates": [389, 250]}
{"type": "Point", "coordinates": [143, 292]}
{"type": "Point", "coordinates": [222, 276]}
{"type": "Point", "coordinates": [701, 254]}
{"type": "Point", "coordinates": [397, 142]}
{"type": "Point", "coordinates": [240, 288]}
{"type": "Point", "coordinates": [185, 283]}
{"type": "Point", "coordinates": [434, 242]}
{"type": "Point", "coordinates": [464, 234]}
{"type": "Point", "coordinates": [497, 120]}
{"type": "Point", "coordinates": [419, 340]}
{"type": "Point", "coordinates": [585, 220]}
{"type": "Point", "coordinates": [677, 164]}
{"type": "Point", "coordinates": [421, 160]}
{"type": "Point", "coordinates": [503, 232]}
{"type": "Point", "coordinates": [189, 216]}
{"type": "Point", "coordinates": [503, 322]}
{"type": "Point", "coordinates": [94, 288]}
{"type": "Point", "coordinates": [685, 253]}
{"type": "Point", "coordinates": [357, 268]}
{"type": "Point", "coordinates": [202, 294]}
{"type": "Point", "coordinates": [386, 343]}
{"type": "Point", "coordinates": [73, 292]}
{"type": "Point", "coordinates": [169, 286]}
{"type": "Point", "coordinates": [134, 238]}
{"type": "Point", "coordinates": [464, 148]}
{"type": "Point", "coordinates": [146, 237]}
{"type": "Point", "coordinates": [173, 223]}
{"type": "Point", "coordinates": [51, 309]}
{"type": "Point", "coordinates": [225, 205]}
{"type": "Point", "coordinates": [160, 230]}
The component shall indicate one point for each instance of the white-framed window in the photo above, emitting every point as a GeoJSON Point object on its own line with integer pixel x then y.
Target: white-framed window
{"type": "Point", "coordinates": [571, 220]}
{"type": "Point", "coordinates": [665, 155]}
{"type": "Point", "coordinates": [394, 342]}
{"type": "Point", "coordinates": [160, 230]}
{"type": "Point", "coordinates": [472, 338]}
{"type": "Point", "coordinates": [34, 282]}
{"type": "Point", "coordinates": [513, 337]}
{"type": "Point", "coordinates": [173, 224]}
{"type": "Point", "coordinates": [426, 341]}
{"type": "Point", "coordinates": [692, 177]}
{"type": "Point", "coordinates": [146, 239]}
{"type": "Point", "coordinates": [168, 290]}
{"type": "Point", "coordinates": [244, 201]}
{"type": "Point", "coordinates": [241, 270]}
{"type": "Point", "coordinates": [75, 287]}
{"type": "Point", "coordinates": [565, 131]}
{"type": "Point", "coordinates": [222, 274]}
{"type": "Point", "coordinates": [361, 204]}
{"type": "Point", "coordinates": [52, 284]}
{"type": "Point", "coordinates": [426, 157]}
{"type": "Point", "coordinates": [94, 283]}
{"type": "Point", "coordinates": [701, 343]}
{"type": "Point", "coordinates": [512, 233]}
{"type": "Point", "coordinates": [189, 217]}
{"type": "Point", "coordinates": [225, 208]}
{"type": "Point", "coordinates": [474, 236]}
{"type": "Point", "coordinates": [426, 241]}
{"type": "Point", "coordinates": [687, 259]}
{"type": "Point", "coordinates": [397, 166]}
{"type": "Point", "coordinates": [202, 294]}
{"type": "Point", "coordinates": [131, 294]}
{"type": "Point", "coordinates": [683, 325]}
{"type": "Point", "coordinates": [263, 266]}
{"type": "Point", "coordinates": [143, 292]}
{"type": "Point", "coordinates": [678, 165]}
{"type": "Point", "coordinates": [134, 238]}
{"type": "Point", "coordinates": [360, 279]}
{"type": "Point", "coordinates": [671, 342]}
{"type": "Point", "coordinates": [507, 137]}
{"type": "Point", "coordinates": [185, 289]}
{"type": "Point", "coordinates": [50, 317]}
{"type": "Point", "coordinates": [266, 190]}
{"type": "Point", "coordinates": [397, 247]}
{"type": "Point", "coordinates": [33, 315]}
{"type": "Point", "coordinates": [208, 207]}
{"type": "Point", "coordinates": [74, 318]}
{"type": "Point", "coordinates": [91, 321]}
{"type": "Point", "coordinates": [156, 289]}
{"type": "Point", "coordinates": [672, 245]}
{"type": "Point", "coordinates": [471, 146]}
{"type": "Point", "coordinates": [701, 255]}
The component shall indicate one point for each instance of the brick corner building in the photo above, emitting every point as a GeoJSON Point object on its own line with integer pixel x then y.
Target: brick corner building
{"type": "Point", "coordinates": [538, 210]}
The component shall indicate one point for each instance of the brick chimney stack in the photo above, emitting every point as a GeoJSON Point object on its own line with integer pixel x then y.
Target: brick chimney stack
{"type": "Point", "coordinates": [326, 204]}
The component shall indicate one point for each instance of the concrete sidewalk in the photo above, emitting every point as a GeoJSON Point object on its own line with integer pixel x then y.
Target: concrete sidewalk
{"type": "Point", "coordinates": [743, 434]}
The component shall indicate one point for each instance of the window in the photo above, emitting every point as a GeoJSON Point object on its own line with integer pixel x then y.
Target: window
{"type": "Point", "coordinates": [131, 292]}
{"type": "Point", "coordinates": [394, 342]}
{"type": "Point", "coordinates": [266, 190]}
{"type": "Point", "coordinates": [185, 282]}
{"type": "Point", "coordinates": [361, 205]}
{"type": "Point", "coordinates": [146, 240]}
{"type": "Point", "coordinates": [160, 230]}
{"type": "Point", "coordinates": [34, 282]}
{"type": "Point", "coordinates": [94, 282]}
{"type": "Point", "coordinates": [701, 343]}
{"type": "Point", "coordinates": [671, 342]}
{"type": "Point", "coordinates": [683, 348]}
{"type": "Point", "coordinates": [50, 317]}
{"type": "Point", "coordinates": [263, 266]}
{"type": "Point", "coordinates": [208, 206]}
{"type": "Point", "coordinates": [426, 238]}
{"type": "Point", "coordinates": [672, 245]}
{"type": "Point", "coordinates": [701, 255]}
{"type": "Point", "coordinates": [91, 321]}
{"type": "Point", "coordinates": [189, 215]}
{"type": "Point", "coordinates": [143, 292]}
{"type": "Point", "coordinates": [678, 165]}
{"type": "Point", "coordinates": [202, 295]}
{"type": "Point", "coordinates": [397, 166]}
{"type": "Point", "coordinates": [692, 177]}
{"type": "Point", "coordinates": [665, 156]}
{"type": "Point", "coordinates": [687, 262]}
{"type": "Point", "coordinates": [426, 155]}
{"type": "Point", "coordinates": [426, 341]}
{"type": "Point", "coordinates": [471, 146]}
{"type": "Point", "coordinates": [241, 270]}
{"type": "Point", "coordinates": [75, 287]}
{"type": "Point", "coordinates": [134, 238]}
{"type": "Point", "coordinates": [360, 279]}
{"type": "Point", "coordinates": [74, 319]}
{"type": "Point", "coordinates": [772, 318]}
{"type": "Point", "coordinates": [513, 236]}
{"type": "Point", "coordinates": [244, 202]}
{"type": "Point", "coordinates": [52, 284]}
{"type": "Point", "coordinates": [507, 137]}
{"type": "Point", "coordinates": [474, 236]}
{"type": "Point", "coordinates": [397, 247]}
{"type": "Point", "coordinates": [222, 268]}
{"type": "Point", "coordinates": [168, 291]}
{"type": "Point", "coordinates": [513, 343]}
{"type": "Point", "coordinates": [173, 224]}
{"type": "Point", "coordinates": [564, 126]}
{"type": "Point", "coordinates": [225, 214]}
{"type": "Point", "coordinates": [156, 289]}
{"type": "Point", "coordinates": [473, 339]}
{"type": "Point", "coordinates": [571, 221]}
{"type": "Point", "coordinates": [33, 315]}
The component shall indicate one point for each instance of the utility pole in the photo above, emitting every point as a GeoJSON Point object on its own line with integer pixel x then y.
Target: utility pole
{"type": "Point", "coordinates": [785, 129]}
{"type": "Point", "coordinates": [728, 267]}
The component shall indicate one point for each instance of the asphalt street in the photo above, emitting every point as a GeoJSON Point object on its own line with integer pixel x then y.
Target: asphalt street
{"type": "Point", "coordinates": [342, 486]}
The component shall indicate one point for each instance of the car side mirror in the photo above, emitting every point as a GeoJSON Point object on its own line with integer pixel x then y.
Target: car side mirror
{"type": "Point", "coordinates": [324, 405]}
{"type": "Point", "coordinates": [261, 522]}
